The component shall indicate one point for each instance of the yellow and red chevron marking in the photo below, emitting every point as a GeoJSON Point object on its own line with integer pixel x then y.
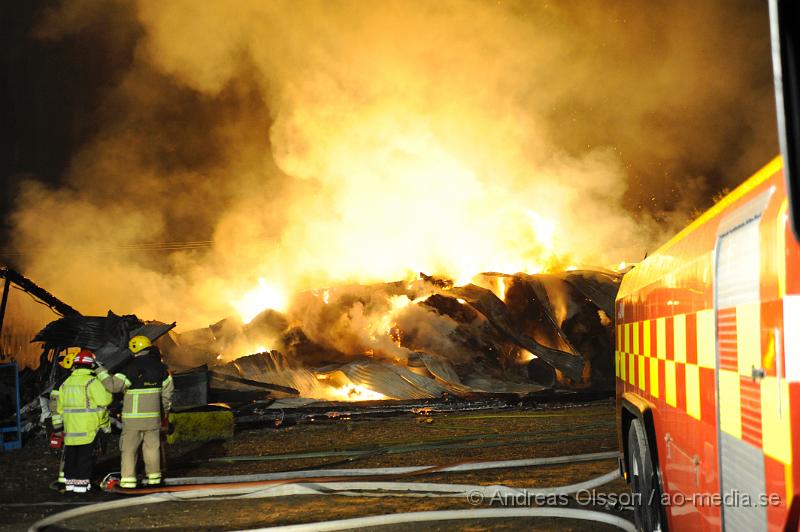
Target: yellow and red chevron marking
{"type": "Point", "coordinates": [671, 360]}
{"type": "Point", "coordinates": [667, 359]}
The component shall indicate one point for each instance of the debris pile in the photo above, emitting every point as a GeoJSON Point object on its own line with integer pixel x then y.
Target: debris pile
{"type": "Point", "coordinates": [421, 339]}
{"type": "Point", "coordinates": [409, 340]}
{"type": "Point", "coordinates": [106, 336]}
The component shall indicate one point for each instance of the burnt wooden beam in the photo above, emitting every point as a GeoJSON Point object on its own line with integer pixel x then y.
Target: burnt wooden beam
{"type": "Point", "coordinates": [25, 284]}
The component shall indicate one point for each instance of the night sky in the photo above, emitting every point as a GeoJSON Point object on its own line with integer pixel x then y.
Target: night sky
{"type": "Point", "coordinates": [50, 92]}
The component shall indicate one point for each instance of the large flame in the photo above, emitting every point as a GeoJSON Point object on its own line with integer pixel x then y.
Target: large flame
{"type": "Point", "coordinates": [535, 248]}
{"type": "Point", "coordinates": [262, 297]}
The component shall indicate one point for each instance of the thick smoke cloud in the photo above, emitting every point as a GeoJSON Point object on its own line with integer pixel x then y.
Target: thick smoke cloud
{"type": "Point", "coordinates": [321, 142]}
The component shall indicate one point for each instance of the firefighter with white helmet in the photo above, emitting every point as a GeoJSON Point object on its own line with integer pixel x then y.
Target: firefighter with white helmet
{"type": "Point", "coordinates": [147, 387]}
{"type": "Point", "coordinates": [81, 404]}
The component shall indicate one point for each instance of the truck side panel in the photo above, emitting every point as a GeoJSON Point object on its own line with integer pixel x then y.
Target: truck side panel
{"type": "Point", "coordinates": [668, 331]}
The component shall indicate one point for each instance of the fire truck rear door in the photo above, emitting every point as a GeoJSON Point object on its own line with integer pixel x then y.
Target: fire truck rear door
{"type": "Point", "coordinates": [736, 302]}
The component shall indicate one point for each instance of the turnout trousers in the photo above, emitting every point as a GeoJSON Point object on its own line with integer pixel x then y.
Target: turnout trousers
{"type": "Point", "coordinates": [129, 444]}
{"type": "Point", "coordinates": [78, 463]}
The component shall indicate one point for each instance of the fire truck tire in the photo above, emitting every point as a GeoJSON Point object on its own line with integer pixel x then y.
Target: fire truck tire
{"type": "Point", "coordinates": [644, 481]}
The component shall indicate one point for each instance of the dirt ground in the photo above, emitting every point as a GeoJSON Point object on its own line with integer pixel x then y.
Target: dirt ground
{"type": "Point", "coordinates": [438, 439]}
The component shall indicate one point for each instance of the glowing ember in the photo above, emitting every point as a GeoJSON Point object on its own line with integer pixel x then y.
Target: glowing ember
{"type": "Point", "coordinates": [352, 392]}
{"type": "Point", "coordinates": [500, 288]}
{"type": "Point", "coordinates": [336, 386]}
{"type": "Point", "coordinates": [262, 297]}
{"type": "Point", "coordinates": [355, 393]}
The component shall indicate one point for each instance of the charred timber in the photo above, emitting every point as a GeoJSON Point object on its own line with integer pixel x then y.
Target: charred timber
{"type": "Point", "coordinates": [37, 291]}
{"type": "Point", "coordinates": [488, 304]}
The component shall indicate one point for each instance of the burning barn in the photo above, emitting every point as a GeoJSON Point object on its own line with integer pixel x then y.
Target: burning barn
{"type": "Point", "coordinates": [421, 339]}
{"type": "Point", "coordinates": [417, 339]}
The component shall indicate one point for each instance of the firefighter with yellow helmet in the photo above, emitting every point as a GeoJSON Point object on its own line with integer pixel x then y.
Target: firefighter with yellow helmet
{"type": "Point", "coordinates": [65, 360]}
{"type": "Point", "coordinates": [147, 387]}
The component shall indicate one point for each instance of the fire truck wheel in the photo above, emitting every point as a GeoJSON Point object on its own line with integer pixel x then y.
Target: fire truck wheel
{"type": "Point", "coordinates": [644, 482]}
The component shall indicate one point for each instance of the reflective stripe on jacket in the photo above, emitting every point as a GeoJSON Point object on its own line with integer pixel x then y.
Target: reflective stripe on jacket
{"type": "Point", "coordinates": [52, 403]}
{"type": "Point", "coordinates": [55, 417]}
{"type": "Point", "coordinates": [81, 402]}
{"type": "Point", "coordinates": [143, 403]}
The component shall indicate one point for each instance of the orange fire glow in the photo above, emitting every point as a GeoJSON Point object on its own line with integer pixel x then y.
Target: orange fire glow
{"type": "Point", "coordinates": [337, 387]}
{"type": "Point", "coordinates": [263, 296]}
{"type": "Point", "coordinates": [529, 244]}
{"type": "Point", "coordinates": [500, 288]}
{"type": "Point", "coordinates": [534, 250]}
{"type": "Point", "coordinates": [352, 392]}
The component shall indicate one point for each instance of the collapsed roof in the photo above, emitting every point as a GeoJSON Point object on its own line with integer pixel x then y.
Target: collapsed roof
{"type": "Point", "coordinates": [106, 336]}
{"type": "Point", "coordinates": [421, 339]}
{"type": "Point", "coordinates": [404, 340]}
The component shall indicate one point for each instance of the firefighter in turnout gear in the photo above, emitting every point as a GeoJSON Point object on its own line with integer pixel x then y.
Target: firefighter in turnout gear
{"type": "Point", "coordinates": [81, 404]}
{"type": "Point", "coordinates": [147, 386]}
{"type": "Point", "coordinates": [65, 360]}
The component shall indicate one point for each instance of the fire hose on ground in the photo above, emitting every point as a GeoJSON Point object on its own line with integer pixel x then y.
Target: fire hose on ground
{"type": "Point", "coordinates": [481, 440]}
{"type": "Point", "coordinates": [470, 466]}
{"type": "Point", "coordinates": [455, 515]}
{"type": "Point", "coordinates": [307, 483]}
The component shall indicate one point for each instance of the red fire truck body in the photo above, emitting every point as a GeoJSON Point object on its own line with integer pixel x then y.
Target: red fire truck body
{"type": "Point", "coordinates": [708, 368]}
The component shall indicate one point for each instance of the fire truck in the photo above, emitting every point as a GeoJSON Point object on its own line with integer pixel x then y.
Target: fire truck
{"type": "Point", "coordinates": [708, 348]}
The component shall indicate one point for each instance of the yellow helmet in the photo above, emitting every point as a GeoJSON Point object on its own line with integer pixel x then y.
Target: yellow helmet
{"type": "Point", "coordinates": [139, 343]}
{"type": "Point", "coordinates": [66, 357]}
